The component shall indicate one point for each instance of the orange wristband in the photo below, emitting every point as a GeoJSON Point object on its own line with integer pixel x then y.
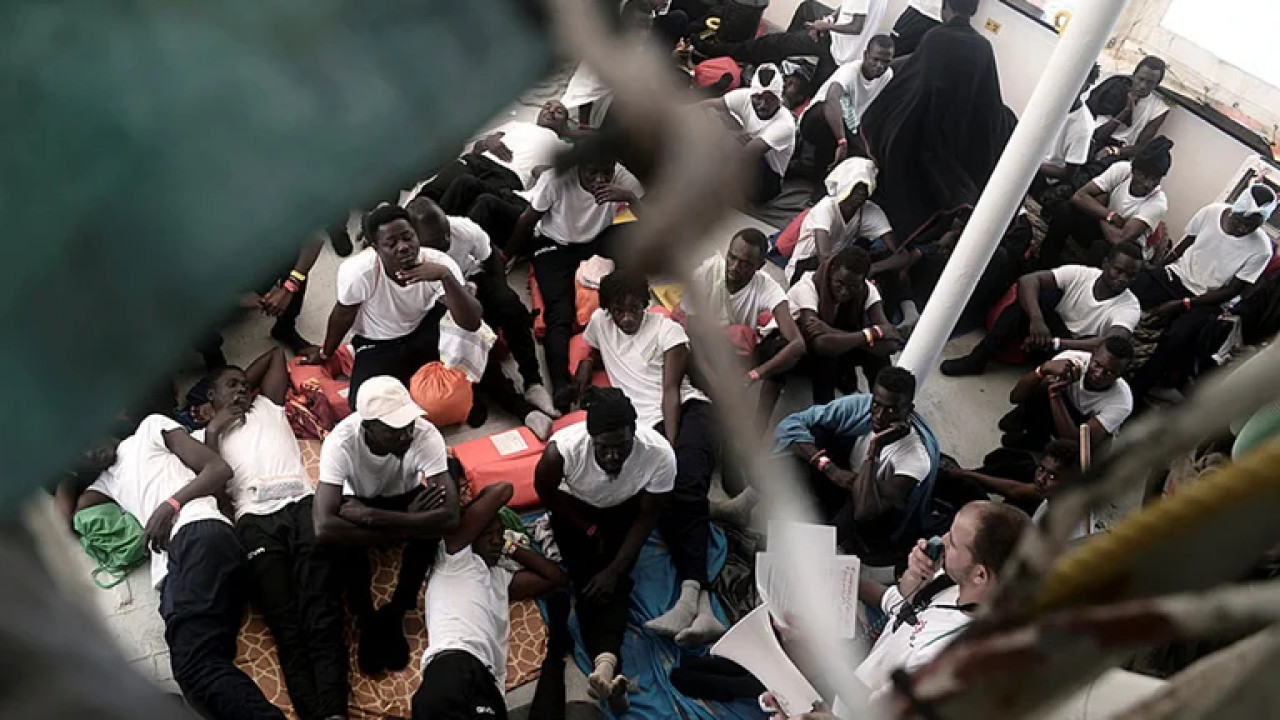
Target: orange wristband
{"type": "Point", "coordinates": [173, 503]}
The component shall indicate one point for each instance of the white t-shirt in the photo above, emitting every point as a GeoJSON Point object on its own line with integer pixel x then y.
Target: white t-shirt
{"type": "Point", "coordinates": [778, 132]}
{"type": "Point", "coordinates": [1215, 258]}
{"type": "Point", "coordinates": [389, 310]}
{"type": "Point", "coordinates": [345, 459]}
{"type": "Point", "coordinates": [1071, 145]}
{"type": "Point", "coordinates": [531, 146]}
{"type": "Point", "coordinates": [635, 362]}
{"type": "Point", "coordinates": [469, 245]}
{"type": "Point", "coordinates": [930, 8]}
{"type": "Point", "coordinates": [869, 222]}
{"type": "Point", "coordinates": [1112, 406]}
{"type": "Point", "coordinates": [845, 47]}
{"type": "Point", "coordinates": [907, 457]}
{"type": "Point", "coordinates": [1149, 209]}
{"type": "Point", "coordinates": [762, 294]}
{"type": "Point", "coordinates": [145, 474]}
{"type": "Point", "coordinates": [804, 296]}
{"type": "Point", "coordinates": [267, 462]}
{"type": "Point", "coordinates": [1144, 111]}
{"type": "Point", "coordinates": [911, 647]}
{"type": "Point", "coordinates": [570, 214]}
{"type": "Point", "coordinates": [467, 609]}
{"type": "Point", "coordinates": [651, 467]}
{"type": "Point", "coordinates": [1082, 313]}
{"type": "Point", "coordinates": [855, 84]}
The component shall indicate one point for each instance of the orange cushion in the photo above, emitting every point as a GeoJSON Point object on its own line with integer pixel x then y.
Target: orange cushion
{"type": "Point", "coordinates": [445, 393]}
{"type": "Point", "coordinates": [1012, 354]}
{"type": "Point", "coordinates": [790, 235]}
{"type": "Point", "coordinates": [579, 350]}
{"type": "Point", "coordinates": [485, 466]}
{"type": "Point", "coordinates": [334, 379]}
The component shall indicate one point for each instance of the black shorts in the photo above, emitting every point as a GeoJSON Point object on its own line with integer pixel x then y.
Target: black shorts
{"type": "Point", "coordinates": [457, 686]}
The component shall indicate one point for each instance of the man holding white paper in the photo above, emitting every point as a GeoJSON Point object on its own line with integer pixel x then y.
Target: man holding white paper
{"type": "Point", "coordinates": [933, 601]}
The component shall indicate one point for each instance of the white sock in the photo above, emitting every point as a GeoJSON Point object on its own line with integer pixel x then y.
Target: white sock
{"type": "Point", "coordinates": [736, 511]}
{"type": "Point", "coordinates": [682, 615]}
{"type": "Point", "coordinates": [910, 315]}
{"type": "Point", "coordinates": [706, 628]}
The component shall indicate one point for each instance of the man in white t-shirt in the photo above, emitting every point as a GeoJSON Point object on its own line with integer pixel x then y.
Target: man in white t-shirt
{"type": "Point", "coordinates": [384, 480]}
{"type": "Point", "coordinates": [646, 356]}
{"type": "Point", "coordinates": [909, 29]}
{"type": "Point", "coordinates": [1072, 389]}
{"type": "Point", "coordinates": [479, 570]}
{"type": "Point", "coordinates": [292, 578]}
{"type": "Point", "coordinates": [831, 121]}
{"type": "Point", "coordinates": [738, 292]}
{"type": "Point", "coordinates": [1069, 150]}
{"type": "Point", "coordinates": [843, 323]}
{"type": "Point", "coordinates": [1073, 307]}
{"type": "Point", "coordinates": [850, 27]}
{"type": "Point", "coordinates": [1123, 204]}
{"type": "Point", "coordinates": [167, 480]}
{"type": "Point", "coordinates": [571, 213]}
{"type": "Point", "coordinates": [391, 298]}
{"type": "Point", "coordinates": [840, 219]}
{"type": "Point", "coordinates": [468, 245]}
{"type": "Point", "coordinates": [1119, 135]}
{"type": "Point", "coordinates": [867, 464]}
{"type": "Point", "coordinates": [1222, 254]}
{"type": "Point", "coordinates": [766, 131]}
{"type": "Point", "coordinates": [934, 601]}
{"type": "Point", "coordinates": [603, 483]}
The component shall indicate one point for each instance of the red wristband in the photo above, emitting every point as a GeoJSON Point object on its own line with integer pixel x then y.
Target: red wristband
{"type": "Point", "coordinates": [291, 285]}
{"type": "Point", "coordinates": [823, 462]}
{"type": "Point", "coordinates": [817, 457]}
{"type": "Point", "coordinates": [842, 141]}
{"type": "Point", "coordinates": [591, 531]}
{"type": "Point", "coordinates": [1186, 303]}
{"type": "Point", "coordinates": [1039, 372]}
{"type": "Point", "coordinates": [755, 376]}
{"type": "Point", "coordinates": [173, 503]}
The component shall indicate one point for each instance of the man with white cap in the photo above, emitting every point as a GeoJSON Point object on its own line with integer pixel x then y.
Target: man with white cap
{"type": "Point", "coordinates": [840, 218]}
{"type": "Point", "coordinates": [767, 134]}
{"type": "Point", "coordinates": [384, 479]}
{"type": "Point", "coordinates": [1223, 252]}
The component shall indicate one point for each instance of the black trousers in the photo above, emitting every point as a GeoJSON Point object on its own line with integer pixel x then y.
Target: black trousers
{"type": "Point", "coordinates": [356, 574]}
{"type": "Point", "coordinates": [815, 130]}
{"type": "Point", "coordinates": [776, 47]}
{"type": "Point", "coordinates": [1037, 419]}
{"type": "Point", "coordinates": [1068, 221]}
{"type": "Point", "coordinates": [495, 177]}
{"type": "Point", "coordinates": [714, 678]}
{"type": "Point", "coordinates": [295, 587]}
{"type": "Point", "coordinates": [457, 686]}
{"type": "Point", "coordinates": [1177, 350]}
{"type": "Point", "coordinates": [399, 357]}
{"type": "Point", "coordinates": [1014, 323]}
{"type": "Point", "coordinates": [489, 199]}
{"type": "Point", "coordinates": [555, 265]}
{"type": "Point", "coordinates": [909, 30]}
{"type": "Point", "coordinates": [685, 519]}
{"type": "Point", "coordinates": [602, 622]}
{"type": "Point", "coordinates": [768, 183]}
{"type": "Point", "coordinates": [827, 373]}
{"type": "Point", "coordinates": [202, 602]}
{"type": "Point", "coordinates": [870, 539]}
{"type": "Point", "coordinates": [506, 313]}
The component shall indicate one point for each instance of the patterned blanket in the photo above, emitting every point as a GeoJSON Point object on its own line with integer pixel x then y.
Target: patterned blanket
{"type": "Point", "coordinates": [388, 696]}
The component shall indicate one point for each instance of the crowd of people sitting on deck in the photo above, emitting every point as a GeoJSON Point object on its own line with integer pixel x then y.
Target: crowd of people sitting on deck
{"type": "Point", "coordinates": [890, 138]}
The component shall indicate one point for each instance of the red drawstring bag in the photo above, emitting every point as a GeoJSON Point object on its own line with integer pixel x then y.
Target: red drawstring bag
{"type": "Point", "coordinates": [786, 241]}
{"type": "Point", "coordinates": [332, 378]}
{"type": "Point", "coordinates": [445, 393]}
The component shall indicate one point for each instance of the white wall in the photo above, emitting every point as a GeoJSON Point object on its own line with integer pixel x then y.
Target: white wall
{"type": "Point", "coordinates": [1204, 158]}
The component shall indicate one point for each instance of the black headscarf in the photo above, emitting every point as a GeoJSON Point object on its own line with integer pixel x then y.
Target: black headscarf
{"type": "Point", "coordinates": [607, 410]}
{"type": "Point", "coordinates": [1154, 156]}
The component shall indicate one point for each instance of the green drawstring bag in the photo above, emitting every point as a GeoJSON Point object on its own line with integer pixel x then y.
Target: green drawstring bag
{"type": "Point", "coordinates": [113, 538]}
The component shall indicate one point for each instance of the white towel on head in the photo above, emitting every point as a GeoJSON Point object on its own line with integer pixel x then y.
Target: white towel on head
{"type": "Point", "coordinates": [1247, 204]}
{"type": "Point", "coordinates": [775, 83]}
{"type": "Point", "coordinates": [845, 176]}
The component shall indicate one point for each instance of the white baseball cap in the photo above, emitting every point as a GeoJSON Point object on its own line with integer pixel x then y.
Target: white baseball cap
{"type": "Point", "coordinates": [385, 398]}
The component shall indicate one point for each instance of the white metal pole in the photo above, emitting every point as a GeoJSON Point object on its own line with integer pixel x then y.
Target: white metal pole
{"type": "Point", "coordinates": [1059, 85]}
